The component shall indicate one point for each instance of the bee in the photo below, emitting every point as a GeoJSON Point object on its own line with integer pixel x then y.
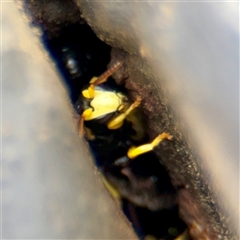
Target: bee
{"type": "Point", "coordinates": [121, 156]}
{"type": "Point", "coordinates": [113, 127]}
{"type": "Point", "coordinates": [108, 118]}
{"type": "Point", "coordinates": [105, 105]}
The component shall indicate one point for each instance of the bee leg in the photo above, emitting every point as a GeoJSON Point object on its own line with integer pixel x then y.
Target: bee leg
{"type": "Point", "coordinates": [183, 236]}
{"type": "Point", "coordinates": [89, 93]}
{"type": "Point", "coordinates": [85, 114]}
{"type": "Point", "coordinates": [117, 121]}
{"type": "Point", "coordinates": [113, 190]}
{"type": "Point", "coordinates": [93, 81]}
{"type": "Point", "coordinates": [133, 152]}
{"type": "Point", "coordinates": [103, 77]}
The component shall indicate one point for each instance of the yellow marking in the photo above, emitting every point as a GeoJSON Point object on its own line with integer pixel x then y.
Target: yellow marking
{"type": "Point", "coordinates": [87, 113]}
{"type": "Point", "coordinates": [183, 236]}
{"type": "Point", "coordinates": [117, 121]}
{"type": "Point", "coordinates": [89, 93]}
{"type": "Point", "coordinates": [104, 102]}
{"type": "Point", "coordinates": [112, 190]}
{"type": "Point", "coordinates": [136, 151]}
{"type": "Point", "coordinates": [120, 107]}
{"type": "Point", "coordinates": [93, 80]}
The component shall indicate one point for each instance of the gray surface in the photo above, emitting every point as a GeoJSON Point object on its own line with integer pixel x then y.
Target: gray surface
{"type": "Point", "coordinates": [193, 50]}
{"type": "Point", "coordinates": [50, 188]}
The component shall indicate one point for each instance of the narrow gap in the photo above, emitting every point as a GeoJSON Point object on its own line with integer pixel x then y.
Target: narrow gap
{"type": "Point", "coordinates": [80, 55]}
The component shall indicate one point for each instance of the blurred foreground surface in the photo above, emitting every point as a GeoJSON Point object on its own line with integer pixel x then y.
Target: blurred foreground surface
{"type": "Point", "coordinates": [50, 189]}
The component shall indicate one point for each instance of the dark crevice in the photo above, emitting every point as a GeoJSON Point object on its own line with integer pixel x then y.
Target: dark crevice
{"type": "Point", "coordinates": [79, 56]}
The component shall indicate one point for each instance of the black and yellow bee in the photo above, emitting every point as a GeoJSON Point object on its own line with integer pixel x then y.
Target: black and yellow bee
{"type": "Point", "coordinates": [114, 127]}
{"type": "Point", "coordinates": [124, 153]}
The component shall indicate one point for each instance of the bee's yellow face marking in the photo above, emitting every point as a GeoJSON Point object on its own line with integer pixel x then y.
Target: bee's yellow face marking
{"type": "Point", "coordinates": [104, 102]}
